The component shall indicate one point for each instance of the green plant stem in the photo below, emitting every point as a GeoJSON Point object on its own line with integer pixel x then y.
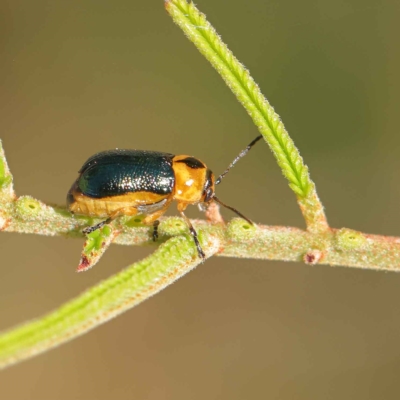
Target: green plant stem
{"type": "Point", "coordinates": [176, 257]}
{"type": "Point", "coordinates": [103, 301]}
{"type": "Point", "coordinates": [338, 247]}
{"type": "Point", "coordinates": [196, 27]}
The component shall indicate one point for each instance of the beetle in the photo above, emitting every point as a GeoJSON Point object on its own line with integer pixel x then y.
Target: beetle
{"type": "Point", "coordinates": [139, 182]}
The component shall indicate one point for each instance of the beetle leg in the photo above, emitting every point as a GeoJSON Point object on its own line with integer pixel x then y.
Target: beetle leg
{"type": "Point", "coordinates": [131, 211]}
{"type": "Point", "coordinates": [194, 234]}
{"type": "Point", "coordinates": [155, 229]}
{"type": "Point", "coordinates": [153, 219]}
{"type": "Point", "coordinates": [93, 228]}
{"type": "Point", "coordinates": [181, 208]}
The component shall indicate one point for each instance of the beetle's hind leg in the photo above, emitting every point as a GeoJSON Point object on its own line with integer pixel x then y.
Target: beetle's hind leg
{"type": "Point", "coordinates": [93, 228]}
{"type": "Point", "coordinates": [131, 211]}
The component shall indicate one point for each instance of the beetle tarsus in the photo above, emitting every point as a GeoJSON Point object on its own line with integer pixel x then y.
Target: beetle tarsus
{"type": "Point", "coordinates": [155, 229]}
{"type": "Point", "coordinates": [196, 241]}
{"type": "Point", "coordinates": [199, 249]}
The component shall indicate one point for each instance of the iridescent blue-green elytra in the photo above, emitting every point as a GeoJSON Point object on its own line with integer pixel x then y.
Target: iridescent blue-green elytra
{"type": "Point", "coordinates": [117, 172]}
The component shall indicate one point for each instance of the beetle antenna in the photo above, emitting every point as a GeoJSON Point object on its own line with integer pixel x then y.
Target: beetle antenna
{"type": "Point", "coordinates": [232, 209]}
{"type": "Point", "coordinates": [241, 154]}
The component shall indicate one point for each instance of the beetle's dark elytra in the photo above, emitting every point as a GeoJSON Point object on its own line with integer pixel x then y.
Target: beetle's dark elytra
{"type": "Point", "coordinates": [116, 172]}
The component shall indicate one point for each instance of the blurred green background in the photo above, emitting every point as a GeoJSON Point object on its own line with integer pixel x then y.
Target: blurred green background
{"type": "Point", "coordinates": [82, 76]}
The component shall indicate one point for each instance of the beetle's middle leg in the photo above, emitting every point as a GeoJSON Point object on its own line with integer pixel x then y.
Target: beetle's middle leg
{"type": "Point", "coordinates": [155, 229]}
{"type": "Point", "coordinates": [153, 219]}
{"type": "Point", "coordinates": [131, 211]}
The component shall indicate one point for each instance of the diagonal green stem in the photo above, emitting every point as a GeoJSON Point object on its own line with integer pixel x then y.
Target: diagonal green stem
{"type": "Point", "coordinates": [208, 42]}
{"type": "Point", "coordinates": [102, 302]}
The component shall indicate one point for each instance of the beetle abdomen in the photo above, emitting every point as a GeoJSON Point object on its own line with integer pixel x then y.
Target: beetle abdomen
{"type": "Point", "coordinates": [117, 172]}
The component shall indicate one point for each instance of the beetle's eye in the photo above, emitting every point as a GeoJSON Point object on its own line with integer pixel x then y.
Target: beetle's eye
{"type": "Point", "coordinates": [209, 193]}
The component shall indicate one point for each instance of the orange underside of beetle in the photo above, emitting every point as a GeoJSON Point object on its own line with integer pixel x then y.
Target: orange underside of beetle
{"type": "Point", "coordinates": [107, 206]}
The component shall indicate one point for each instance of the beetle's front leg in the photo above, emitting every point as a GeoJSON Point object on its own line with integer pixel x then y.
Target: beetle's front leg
{"type": "Point", "coordinates": [181, 208]}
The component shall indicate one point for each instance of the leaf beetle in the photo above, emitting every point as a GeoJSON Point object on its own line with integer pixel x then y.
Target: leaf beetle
{"type": "Point", "coordinates": [138, 182]}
